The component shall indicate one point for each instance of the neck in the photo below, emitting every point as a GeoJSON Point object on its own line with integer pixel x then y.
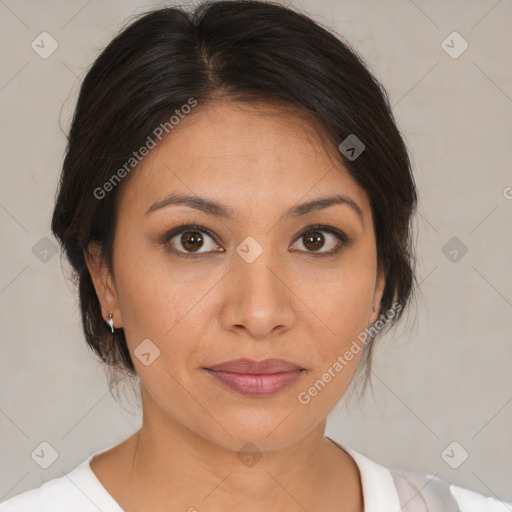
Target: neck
{"type": "Point", "coordinates": [169, 463]}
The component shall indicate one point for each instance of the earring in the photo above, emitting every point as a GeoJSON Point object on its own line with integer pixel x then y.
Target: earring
{"type": "Point", "coordinates": [375, 308]}
{"type": "Point", "coordinates": [110, 322]}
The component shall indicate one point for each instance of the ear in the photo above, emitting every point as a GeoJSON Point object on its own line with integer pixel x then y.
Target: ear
{"type": "Point", "coordinates": [380, 283]}
{"type": "Point", "coordinates": [103, 283]}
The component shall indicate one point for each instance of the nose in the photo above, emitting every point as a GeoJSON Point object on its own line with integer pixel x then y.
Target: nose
{"type": "Point", "coordinates": [257, 298]}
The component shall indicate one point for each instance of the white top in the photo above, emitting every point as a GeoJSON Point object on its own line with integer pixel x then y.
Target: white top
{"type": "Point", "coordinates": [384, 490]}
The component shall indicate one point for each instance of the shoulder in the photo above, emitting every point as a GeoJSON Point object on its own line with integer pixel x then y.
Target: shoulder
{"type": "Point", "coordinates": [55, 493]}
{"type": "Point", "coordinates": [411, 491]}
{"type": "Point", "coordinates": [78, 487]}
{"type": "Point", "coordinates": [472, 502]}
{"type": "Point", "coordinates": [421, 491]}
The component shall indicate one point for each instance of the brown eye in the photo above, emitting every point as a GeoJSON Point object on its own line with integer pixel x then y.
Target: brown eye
{"type": "Point", "coordinates": [321, 240]}
{"type": "Point", "coordinates": [191, 240]}
{"type": "Point", "coordinates": [313, 241]}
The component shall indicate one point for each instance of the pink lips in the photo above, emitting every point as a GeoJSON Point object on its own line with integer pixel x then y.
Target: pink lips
{"type": "Point", "coordinates": [256, 378]}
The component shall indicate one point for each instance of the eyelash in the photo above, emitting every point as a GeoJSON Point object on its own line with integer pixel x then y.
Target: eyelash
{"type": "Point", "coordinates": [343, 239]}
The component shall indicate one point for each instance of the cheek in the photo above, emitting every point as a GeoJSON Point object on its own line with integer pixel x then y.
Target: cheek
{"type": "Point", "coordinates": [340, 296]}
{"type": "Point", "coordinates": [339, 302]}
{"type": "Point", "coordinates": [169, 303]}
{"type": "Point", "coordinates": [336, 349]}
{"type": "Point", "coordinates": [156, 304]}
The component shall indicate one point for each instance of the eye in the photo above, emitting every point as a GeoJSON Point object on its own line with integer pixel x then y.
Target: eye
{"type": "Point", "coordinates": [189, 240]}
{"type": "Point", "coordinates": [313, 240]}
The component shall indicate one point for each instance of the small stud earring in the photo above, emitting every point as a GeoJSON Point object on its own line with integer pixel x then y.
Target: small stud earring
{"type": "Point", "coordinates": [110, 322]}
{"type": "Point", "coordinates": [375, 308]}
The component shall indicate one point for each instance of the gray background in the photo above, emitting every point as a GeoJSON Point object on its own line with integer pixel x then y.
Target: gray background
{"type": "Point", "coordinates": [443, 377]}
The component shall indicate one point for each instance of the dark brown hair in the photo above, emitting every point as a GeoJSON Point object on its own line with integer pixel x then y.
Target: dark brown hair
{"type": "Point", "coordinates": [242, 51]}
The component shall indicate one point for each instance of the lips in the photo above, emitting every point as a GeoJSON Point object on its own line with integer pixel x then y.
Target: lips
{"type": "Point", "coordinates": [256, 378]}
{"type": "Point", "coordinates": [266, 366]}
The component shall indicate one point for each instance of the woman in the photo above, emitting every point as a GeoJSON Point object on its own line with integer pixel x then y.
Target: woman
{"type": "Point", "coordinates": [236, 202]}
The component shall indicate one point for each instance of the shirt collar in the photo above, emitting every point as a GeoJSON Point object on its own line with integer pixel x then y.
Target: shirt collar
{"type": "Point", "coordinates": [379, 491]}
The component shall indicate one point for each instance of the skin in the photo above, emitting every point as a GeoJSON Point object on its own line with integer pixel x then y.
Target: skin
{"type": "Point", "coordinates": [289, 303]}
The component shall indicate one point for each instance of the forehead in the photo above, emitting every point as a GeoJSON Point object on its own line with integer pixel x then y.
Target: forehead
{"type": "Point", "coordinates": [250, 156]}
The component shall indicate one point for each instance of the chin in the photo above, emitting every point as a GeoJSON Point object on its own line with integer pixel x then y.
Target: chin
{"type": "Point", "coordinates": [265, 432]}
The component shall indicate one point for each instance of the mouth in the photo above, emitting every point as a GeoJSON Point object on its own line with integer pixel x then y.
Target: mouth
{"type": "Point", "coordinates": [256, 379]}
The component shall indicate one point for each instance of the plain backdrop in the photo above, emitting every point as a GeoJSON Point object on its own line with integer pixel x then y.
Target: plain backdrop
{"type": "Point", "coordinates": [442, 385]}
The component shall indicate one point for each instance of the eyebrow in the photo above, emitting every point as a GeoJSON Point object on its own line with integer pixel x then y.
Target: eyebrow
{"type": "Point", "coordinates": [220, 210]}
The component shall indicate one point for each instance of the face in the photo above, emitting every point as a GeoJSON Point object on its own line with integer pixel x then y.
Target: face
{"type": "Point", "coordinates": [260, 277]}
